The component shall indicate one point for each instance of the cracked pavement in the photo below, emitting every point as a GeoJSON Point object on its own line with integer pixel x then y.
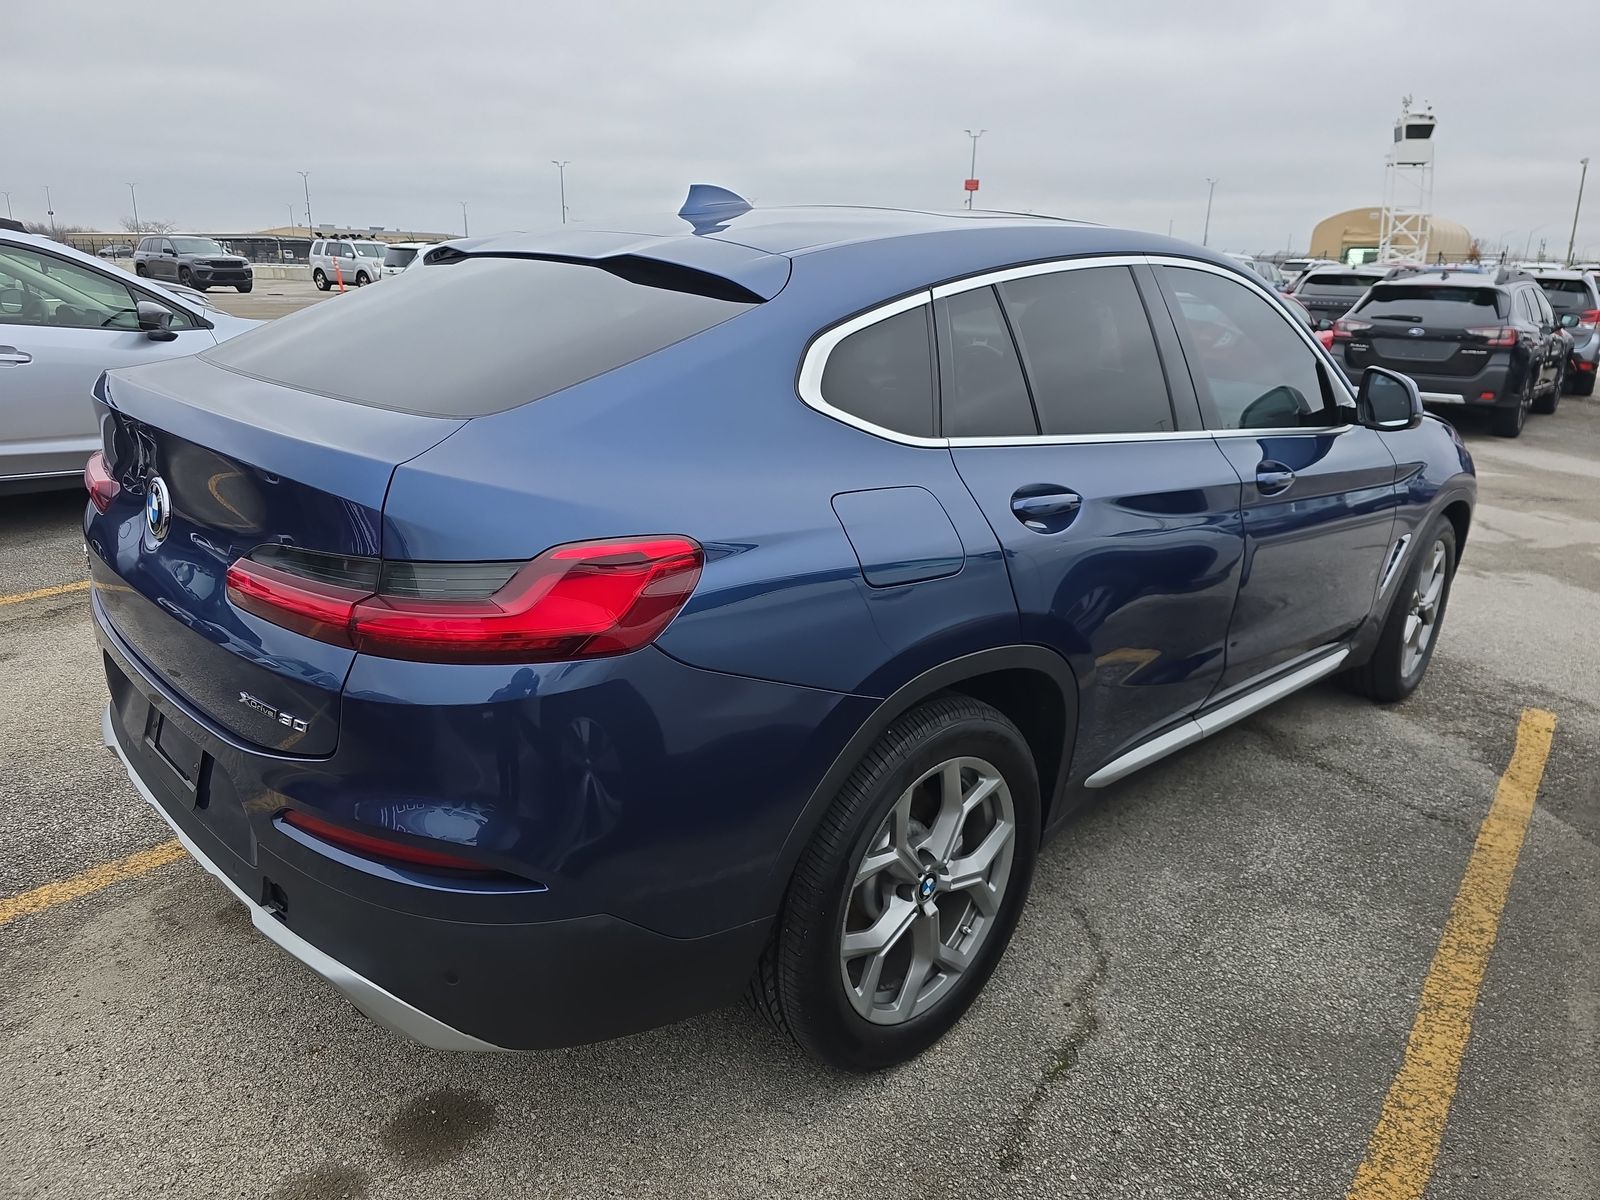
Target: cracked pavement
{"type": "Point", "coordinates": [1207, 997]}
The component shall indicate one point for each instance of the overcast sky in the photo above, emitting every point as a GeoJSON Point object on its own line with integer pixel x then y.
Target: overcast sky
{"type": "Point", "coordinates": [1114, 112]}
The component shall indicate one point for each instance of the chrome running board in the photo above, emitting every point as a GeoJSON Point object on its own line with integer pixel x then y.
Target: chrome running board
{"type": "Point", "coordinates": [1204, 724]}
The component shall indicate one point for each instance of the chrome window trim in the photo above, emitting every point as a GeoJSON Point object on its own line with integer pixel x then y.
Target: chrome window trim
{"type": "Point", "coordinates": [815, 361]}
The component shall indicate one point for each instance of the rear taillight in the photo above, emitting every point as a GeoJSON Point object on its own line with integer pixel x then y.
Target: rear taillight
{"type": "Point", "coordinates": [1589, 316]}
{"type": "Point", "coordinates": [1495, 335]}
{"type": "Point", "coordinates": [583, 600]}
{"type": "Point", "coordinates": [1346, 328]}
{"type": "Point", "coordinates": [99, 482]}
{"type": "Point", "coordinates": [370, 845]}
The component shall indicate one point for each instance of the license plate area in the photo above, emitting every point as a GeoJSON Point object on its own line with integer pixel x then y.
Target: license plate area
{"type": "Point", "coordinates": [180, 754]}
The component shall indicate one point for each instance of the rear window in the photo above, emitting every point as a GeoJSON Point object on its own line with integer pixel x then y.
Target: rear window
{"type": "Point", "coordinates": [1431, 305]}
{"type": "Point", "coordinates": [1334, 284]}
{"type": "Point", "coordinates": [483, 335]}
{"type": "Point", "coordinates": [1565, 295]}
{"type": "Point", "coordinates": [398, 256]}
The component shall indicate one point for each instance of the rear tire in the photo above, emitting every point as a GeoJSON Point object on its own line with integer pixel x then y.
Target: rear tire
{"type": "Point", "coordinates": [933, 916]}
{"type": "Point", "coordinates": [138, 269]}
{"type": "Point", "coordinates": [321, 280]}
{"type": "Point", "coordinates": [1416, 614]}
{"type": "Point", "coordinates": [1549, 403]}
{"type": "Point", "coordinates": [1508, 422]}
{"type": "Point", "coordinates": [1583, 384]}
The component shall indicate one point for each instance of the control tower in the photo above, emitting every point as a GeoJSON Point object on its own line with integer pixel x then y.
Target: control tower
{"type": "Point", "coordinates": [1407, 220]}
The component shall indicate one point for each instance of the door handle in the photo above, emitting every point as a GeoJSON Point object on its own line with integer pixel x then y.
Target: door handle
{"type": "Point", "coordinates": [11, 356]}
{"type": "Point", "coordinates": [1273, 477]}
{"type": "Point", "coordinates": [1043, 511]}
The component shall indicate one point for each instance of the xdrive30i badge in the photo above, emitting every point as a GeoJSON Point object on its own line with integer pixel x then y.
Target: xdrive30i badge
{"type": "Point", "coordinates": [287, 720]}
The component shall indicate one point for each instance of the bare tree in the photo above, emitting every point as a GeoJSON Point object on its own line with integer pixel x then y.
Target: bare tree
{"type": "Point", "coordinates": [60, 232]}
{"type": "Point", "coordinates": [147, 225]}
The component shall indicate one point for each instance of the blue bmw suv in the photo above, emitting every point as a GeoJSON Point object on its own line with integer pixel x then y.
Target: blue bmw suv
{"type": "Point", "coordinates": [589, 628]}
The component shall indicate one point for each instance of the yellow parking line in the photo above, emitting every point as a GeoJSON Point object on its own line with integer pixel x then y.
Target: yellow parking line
{"type": "Point", "coordinates": [82, 884]}
{"type": "Point", "coordinates": [1405, 1143]}
{"type": "Point", "coordinates": [60, 589]}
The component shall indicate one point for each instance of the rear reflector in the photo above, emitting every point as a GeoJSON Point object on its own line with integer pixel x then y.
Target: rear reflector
{"type": "Point", "coordinates": [583, 600]}
{"type": "Point", "coordinates": [374, 846]}
{"type": "Point", "coordinates": [97, 479]}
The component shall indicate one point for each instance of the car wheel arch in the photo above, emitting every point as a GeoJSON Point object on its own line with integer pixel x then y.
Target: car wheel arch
{"type": "Point", "coordinates": [1031, 685]}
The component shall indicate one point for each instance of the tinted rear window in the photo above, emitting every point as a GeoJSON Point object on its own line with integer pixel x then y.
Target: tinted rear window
{"type": "Point", "coordinates": [1566, 294]}
{"type": "Point", "coordinates": [1336, 285]}
{"type": "Point", "coordinates": [480, 335]}
{"type": "Point", "coordinates": [883, 374]}
{"type": "Point", "coordinates": [1423, 305]}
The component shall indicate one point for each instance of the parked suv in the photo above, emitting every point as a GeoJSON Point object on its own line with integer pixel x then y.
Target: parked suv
{"type": "Point", "coordinates": [397, 256]}
{"type": "Point", "coordinates": [1575, 297]}
{"type": "Point", "coordinates": [1488, 340]}
{"type": "Point", "coordinates": [527, 713]}
{"type": "Point", "coordinates": [197, 262]}
{"type": "Point", "coordinates": [356, 262]}
{"type": "Point", "coordinates": [1328, 292]}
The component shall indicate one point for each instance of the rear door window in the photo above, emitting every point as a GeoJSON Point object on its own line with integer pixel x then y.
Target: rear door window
{"type": "Point", "coordinates": [981, 389]}
{"type": "Point", "coordinates": [1335, 283]}
{"type": "Point", "coordinates": [883, 374]}
{"type": "Point", "coordinates": [1090, 356]}
{"type": "Point", "coordinates": [438, 345]}
{"type": "Point", "coordinates": [1427, 304]}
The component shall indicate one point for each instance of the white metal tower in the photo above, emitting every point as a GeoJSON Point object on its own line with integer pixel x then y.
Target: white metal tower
{"type": "Point", "coordinates": [1407, 222]}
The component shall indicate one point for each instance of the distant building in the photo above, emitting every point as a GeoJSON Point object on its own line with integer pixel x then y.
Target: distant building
{"type": "Point", "coordinates": [1353, 236]}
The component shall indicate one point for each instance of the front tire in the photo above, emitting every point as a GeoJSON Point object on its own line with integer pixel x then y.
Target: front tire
{"type": "Point", "coordinates": [361, 279]}
{"type": "Point", "coordinates": [1411, 630]}
{"type": "Point", "coordinates": [245, 287]}
{"type": "Point", "coordinates": [909, 891]}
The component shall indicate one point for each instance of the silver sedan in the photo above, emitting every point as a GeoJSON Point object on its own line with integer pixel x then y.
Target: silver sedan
{"type": "Point", "coordinates": [65, 317]}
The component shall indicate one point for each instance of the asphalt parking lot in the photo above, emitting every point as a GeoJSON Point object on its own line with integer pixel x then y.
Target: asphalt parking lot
{"type": "Point", "coordinates": [1211, 994]}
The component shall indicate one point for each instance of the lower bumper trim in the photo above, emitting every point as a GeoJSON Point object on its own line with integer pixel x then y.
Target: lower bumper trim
{"type": "Point", "coordinates": [382, 1006]}
{"type": "Point", "coordinates": [1443, 398]}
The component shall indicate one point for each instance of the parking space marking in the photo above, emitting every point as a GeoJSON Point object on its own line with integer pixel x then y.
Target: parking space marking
{"type": "Point", "coordinates": [1404, 1145]}
{"type": "Point", "coordinates": [94, 879]}
{"type": "Point", "coordinates": [61, 589]}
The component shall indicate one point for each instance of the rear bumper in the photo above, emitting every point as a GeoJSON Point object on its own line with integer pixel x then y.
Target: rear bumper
{"type": "Point", "coordinates": [1456, 390]}
{"type": "Point", "coordinates": [381, 1005]}
{"type": "Point", "coordinates": [508, 963]}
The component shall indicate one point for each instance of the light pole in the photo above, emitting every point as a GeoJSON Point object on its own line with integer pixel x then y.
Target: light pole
{"type": "Point", "coordinates": [305, 182]}
{"type": "Point", "coordinates": [290, 207]}
{"type": "Point", "coordinates": [1205, 238]}
{"type": "Point", "coordinates": [50, 210]}
{"type": "Point", "coordinates": [1572, 241]}
{"type": "Point", "coordinates": [561, 170]}
{"type": "Point", "coordinates": [972, 167]}
{"type": "Point", "coordinates": [464, 230]}
{"type": "Point", "coordinates": [135, 196]}
{"type": "Point", "coordinates": [8, 204]}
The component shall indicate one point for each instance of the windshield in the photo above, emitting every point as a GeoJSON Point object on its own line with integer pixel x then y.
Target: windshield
{"type": "Point", "coordinates": [369, 249]}
{"type": "Point", "coordinates": [193, 245]}
{"type": "Point", "coordinates": [420, 343]}
{"type": "Point", "coordinates": [1431, 305]}
{"type": "Point", "coordinates": [1332, 283]}
{"type": "Point", "coordinates": [1566, 295]}
{"type": "Point", "coordinates": [398, 256]}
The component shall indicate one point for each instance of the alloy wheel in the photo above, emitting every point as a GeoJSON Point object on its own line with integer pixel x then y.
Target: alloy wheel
{"type": "Point", "coordinates": [1422, 616]}
{"type": "Point", "coordinates": [927, 891]}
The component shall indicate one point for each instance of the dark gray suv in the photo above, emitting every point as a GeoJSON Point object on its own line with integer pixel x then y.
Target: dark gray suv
{"type": "Point", "coordinates": [197, 262]}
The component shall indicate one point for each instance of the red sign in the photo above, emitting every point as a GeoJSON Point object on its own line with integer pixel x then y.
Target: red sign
{"type": "Point", "coordinates": [972, 185]}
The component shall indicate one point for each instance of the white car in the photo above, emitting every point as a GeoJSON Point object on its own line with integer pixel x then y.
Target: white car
{"type": "Point", "coordinates": [354, 261]}
{"type": "Point", "coordinates": [65, 317]}
{"type": "Point", "coordinates": [401, 255]}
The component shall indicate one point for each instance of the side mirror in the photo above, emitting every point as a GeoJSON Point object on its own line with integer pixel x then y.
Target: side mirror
{"type": "Point", "coordinates": [156, 321]}
{"type": "Point", "coordinates": [1388, 400]}
{"type": "Point", "coordinates": [169, 250]}
{"type": "Point", "coordinates": [1569, 320]}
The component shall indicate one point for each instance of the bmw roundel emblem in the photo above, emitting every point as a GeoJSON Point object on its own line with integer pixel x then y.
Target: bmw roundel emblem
{"type": "Point", "coordinates": [157, 509]}
{"type": "Point", "coordinates": [927, 887]}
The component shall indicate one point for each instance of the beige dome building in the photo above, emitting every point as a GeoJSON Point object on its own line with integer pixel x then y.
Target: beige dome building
{"type": "Point", "coordinates": [1353, 236]}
